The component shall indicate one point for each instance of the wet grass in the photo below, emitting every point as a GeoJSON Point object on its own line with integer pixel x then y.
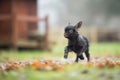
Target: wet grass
{"type": "Point", "coordinates": [101, 49]}
{"type": "Point", "coordinates": [69, 72]}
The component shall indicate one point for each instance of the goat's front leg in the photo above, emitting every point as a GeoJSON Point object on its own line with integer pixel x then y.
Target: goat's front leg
{"type": "Point", "coordinates": [66, 52]}
{"type": "Point", "coordinates": [77, 56]}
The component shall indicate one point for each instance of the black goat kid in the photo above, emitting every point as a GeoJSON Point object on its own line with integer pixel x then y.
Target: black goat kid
{"type": "Point", "coordinates": [76, 42]}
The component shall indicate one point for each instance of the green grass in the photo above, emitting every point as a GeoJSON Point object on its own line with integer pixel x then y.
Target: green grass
{"type": "Point", "coordinates": [102, 49]}
{"type": "Point", "coordinates": [69, 71]}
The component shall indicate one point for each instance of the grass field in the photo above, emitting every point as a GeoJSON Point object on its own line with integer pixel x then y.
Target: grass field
{"type": "Point", "coordinates": [74, 71]}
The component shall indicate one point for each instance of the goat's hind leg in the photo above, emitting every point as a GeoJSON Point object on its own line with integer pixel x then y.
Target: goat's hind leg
{"type": "Point", "coordinates": [87, 54]}
{"type": "Point", "coordinates": [81, 57]}
{"type": "Point", "coordinates": [77, 58]}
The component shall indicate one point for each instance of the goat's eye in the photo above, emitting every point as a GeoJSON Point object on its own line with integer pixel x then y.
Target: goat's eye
{"type": "Point", "coordinates": [70, 31]}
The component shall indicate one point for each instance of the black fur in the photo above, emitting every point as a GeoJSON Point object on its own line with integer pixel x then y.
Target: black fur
{"type": "Point", "coordinates": [76, 42]}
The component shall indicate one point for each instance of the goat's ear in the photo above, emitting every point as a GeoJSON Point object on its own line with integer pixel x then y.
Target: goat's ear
{"type": "Point", "coordinates": [78, 25]}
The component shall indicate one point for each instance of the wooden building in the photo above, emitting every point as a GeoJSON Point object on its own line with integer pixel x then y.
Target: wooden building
{"type": "Point", "coordinates": [18, 24]}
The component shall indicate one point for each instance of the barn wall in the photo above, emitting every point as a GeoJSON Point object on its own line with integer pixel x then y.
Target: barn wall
{"type": "Point", "coordinates": [18, 18]}
{"type": "Point", "coordinates": [5, 21]}
{"type": "Point", "coordinates": [26, 8]}
{"type": "Point", "coordinates": [5, 6]}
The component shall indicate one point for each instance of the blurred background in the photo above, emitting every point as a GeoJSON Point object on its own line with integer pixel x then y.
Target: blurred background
{"type": "Point", "coordinates": [99, 13]}
{"type": "Point", "coordinates": [37, 28]}
{"type": "Point", "coordinates": [100, 18]}
{"type": "Point", "coordinates": [39, 23]}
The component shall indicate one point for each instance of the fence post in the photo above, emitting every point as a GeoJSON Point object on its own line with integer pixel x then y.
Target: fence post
{"type": "Point", "coordinates": [14, 26]}
{"type": "Point", "coordinates": [46, 30]}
